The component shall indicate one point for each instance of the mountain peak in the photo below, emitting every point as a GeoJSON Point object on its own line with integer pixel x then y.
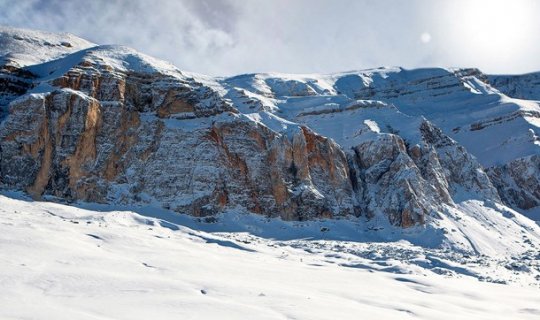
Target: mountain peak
{"type": "Point", "coordinates": [25, 47]}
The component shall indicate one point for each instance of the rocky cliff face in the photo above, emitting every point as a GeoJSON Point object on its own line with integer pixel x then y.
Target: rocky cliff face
{"type": "Point", "coordinates": [110, 125]}
{"type": "Point", "coordinates": [518, 182]}
{"type": "Point", "coordinates": [526, 86]}
{"type": "Point", "coordinates": [108, 134]}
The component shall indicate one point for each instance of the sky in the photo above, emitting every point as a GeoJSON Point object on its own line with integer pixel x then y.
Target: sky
{"type": "Point", "coordinates": [227, 37]}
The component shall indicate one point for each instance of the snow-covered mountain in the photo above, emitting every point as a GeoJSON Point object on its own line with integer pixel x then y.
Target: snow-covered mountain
{"type": "Point", "coordinates": [424, 149]}
{"type": "Point", "coordinates": [395, 189]}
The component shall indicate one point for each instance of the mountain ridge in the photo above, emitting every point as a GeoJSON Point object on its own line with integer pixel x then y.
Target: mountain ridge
{"type": "Point", "coordinates": [108, 124]}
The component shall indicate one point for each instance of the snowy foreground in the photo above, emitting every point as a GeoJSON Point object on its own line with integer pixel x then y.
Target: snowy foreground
{"type": "Point", "coordinates": [62, 262]}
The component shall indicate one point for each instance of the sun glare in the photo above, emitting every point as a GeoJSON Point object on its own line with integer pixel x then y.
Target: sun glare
{"type": "Point", "coordinates": [496, 29]}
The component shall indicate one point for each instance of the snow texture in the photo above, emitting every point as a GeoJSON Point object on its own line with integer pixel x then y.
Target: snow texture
{"type": "Point", "coordinates": [65, 262]}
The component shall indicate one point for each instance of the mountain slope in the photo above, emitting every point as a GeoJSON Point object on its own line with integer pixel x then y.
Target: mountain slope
{"type": "Point", "coordinates": [66, 262]}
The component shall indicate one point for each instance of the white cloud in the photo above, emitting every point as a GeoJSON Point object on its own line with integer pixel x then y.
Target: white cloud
{"type": "Point", "coordinates": [236, 36]}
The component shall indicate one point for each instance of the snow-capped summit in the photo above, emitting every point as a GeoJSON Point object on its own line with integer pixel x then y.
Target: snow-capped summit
{"type": "Point", "coordinates": [23, 47]}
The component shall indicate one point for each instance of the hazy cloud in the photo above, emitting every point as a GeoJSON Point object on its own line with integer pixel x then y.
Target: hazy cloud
{"type": "Point", "coordinates": [236, 36]}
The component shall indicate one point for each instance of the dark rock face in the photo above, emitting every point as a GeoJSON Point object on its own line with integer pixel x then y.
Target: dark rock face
{"type": "Point", "coordinates": [518, 86]}
{"type": "Point", "coordinates": [408, 183]}
{"type": "Point", "coordinates": [518, 182]}
{"type": "Point", "coordinates": [14, 82]}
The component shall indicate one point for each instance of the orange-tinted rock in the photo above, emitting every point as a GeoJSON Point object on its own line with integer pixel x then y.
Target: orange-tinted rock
{"type": "Point", "coordinates": [173, 104]}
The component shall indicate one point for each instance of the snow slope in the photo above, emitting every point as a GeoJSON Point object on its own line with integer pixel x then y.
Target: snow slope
{"type": "Point", "coordinates": [23, 47]}
{"type": "Point", "coordinates": [64, 262]}
{"type": "Point", "coordinates": [111, 57]}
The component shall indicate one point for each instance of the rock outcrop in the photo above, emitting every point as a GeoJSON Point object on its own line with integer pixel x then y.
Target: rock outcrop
{"type": "Point", "coordinates": [518, 182]}
{"type": "Point", "coordinates": [526, 86]}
